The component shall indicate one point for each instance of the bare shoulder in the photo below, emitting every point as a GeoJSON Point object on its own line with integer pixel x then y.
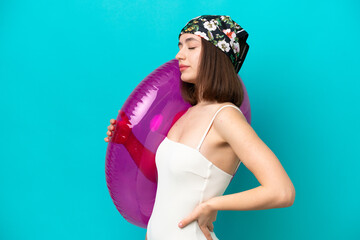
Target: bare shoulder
{"type": "Point", "coordinates": [230, 123]}
{"type": "Point", "coordinates": [231, 110]}
{"type": "Point", "coordinates": [233, 127]}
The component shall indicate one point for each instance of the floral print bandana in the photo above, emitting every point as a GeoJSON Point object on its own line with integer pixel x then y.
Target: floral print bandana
{"type": "Point", "coordinates": [224, 33]}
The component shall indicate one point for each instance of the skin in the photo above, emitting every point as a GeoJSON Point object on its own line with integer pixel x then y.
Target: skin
{"type": "Point", "coordinates": [229, 140]}
{"type": "Point", "coordinates": [189, 55]}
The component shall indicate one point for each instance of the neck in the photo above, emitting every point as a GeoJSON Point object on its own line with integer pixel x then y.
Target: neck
{"type": "Point", "coordinates": [205, 103]}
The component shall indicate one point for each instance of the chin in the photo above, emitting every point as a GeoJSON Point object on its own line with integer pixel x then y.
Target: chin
{"type": "Point", "coordinates": [187, 79]}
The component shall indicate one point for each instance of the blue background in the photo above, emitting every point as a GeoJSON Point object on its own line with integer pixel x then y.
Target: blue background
{"type": "Point", "coordinates": [67, 66]}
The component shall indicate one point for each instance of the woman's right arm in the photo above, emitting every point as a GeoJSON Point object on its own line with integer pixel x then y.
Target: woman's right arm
{"type": "Point", "coordinates": [146, 236]}
{"type": "Point", "coordinates": [142, 157]}
{"type": "Point", "coordinates": [136, 150]}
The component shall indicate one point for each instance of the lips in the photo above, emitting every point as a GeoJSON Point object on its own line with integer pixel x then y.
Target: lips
{"type": "Point", "coordinates": [183, 67]}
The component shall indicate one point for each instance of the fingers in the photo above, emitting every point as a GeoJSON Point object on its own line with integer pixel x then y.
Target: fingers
{"type": "Point", "coordinates": [211, 227]}
{"type": "Point", "coordinates": [111, 127]}
{"type": "Point", "coordinates": [206, 232]}
{"type": "Point", "coordinates": [109, 133]}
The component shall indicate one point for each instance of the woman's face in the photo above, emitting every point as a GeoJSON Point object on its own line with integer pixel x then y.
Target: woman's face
{"type": "Point", "coordinates": [189, 55]}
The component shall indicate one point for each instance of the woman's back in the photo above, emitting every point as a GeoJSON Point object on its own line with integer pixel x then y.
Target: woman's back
{"type": "Point", "coordinates": [186, 177]}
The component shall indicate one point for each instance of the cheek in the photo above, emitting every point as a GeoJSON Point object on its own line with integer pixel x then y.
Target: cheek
{"type": "Point", "coordinates": [196, 59]}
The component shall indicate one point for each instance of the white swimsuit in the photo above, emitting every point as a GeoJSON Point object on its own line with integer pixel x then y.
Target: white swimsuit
{"type": "Point", "coordinates": [186, 178]}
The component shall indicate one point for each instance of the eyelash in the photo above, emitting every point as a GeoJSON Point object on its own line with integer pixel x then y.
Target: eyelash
{"type": "Point", "coordinates": [189, 48]}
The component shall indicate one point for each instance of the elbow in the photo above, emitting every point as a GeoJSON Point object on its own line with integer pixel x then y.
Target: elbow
{"type": "Point", "coordinates": [287, 197]}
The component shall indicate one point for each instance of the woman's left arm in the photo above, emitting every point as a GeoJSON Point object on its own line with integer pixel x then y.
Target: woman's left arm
{"type": "Point", "coordinates": [276, 189]}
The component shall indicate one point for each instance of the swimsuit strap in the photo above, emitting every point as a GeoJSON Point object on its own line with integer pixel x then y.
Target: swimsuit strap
{"type": "Point", "coordinates": [211, 123]}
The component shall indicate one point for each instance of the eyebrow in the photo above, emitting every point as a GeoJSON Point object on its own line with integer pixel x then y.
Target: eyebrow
{"type": "Point", "coordinates": [188, 40]}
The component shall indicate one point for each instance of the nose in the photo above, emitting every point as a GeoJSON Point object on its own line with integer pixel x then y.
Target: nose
{"type": "Point", "coordinates": [179, 55]}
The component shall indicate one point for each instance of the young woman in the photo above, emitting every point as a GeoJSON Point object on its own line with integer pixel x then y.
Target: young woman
{"type": "Point", "coordinates": [192, 180]}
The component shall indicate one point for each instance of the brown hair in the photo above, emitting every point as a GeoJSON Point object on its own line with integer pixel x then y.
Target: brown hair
{"type": "Point", "coordinates": [216, 79]}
